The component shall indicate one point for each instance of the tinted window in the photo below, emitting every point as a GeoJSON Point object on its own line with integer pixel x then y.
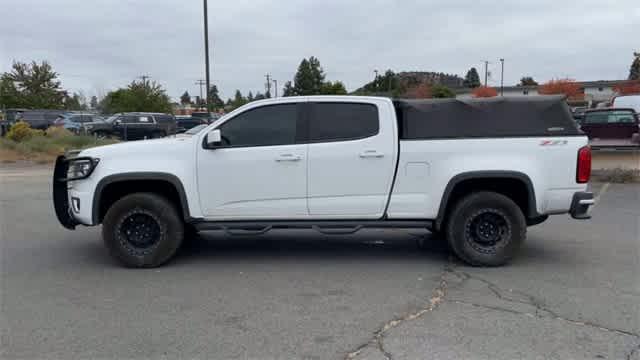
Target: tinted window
{"type": "Point", "coordinates": [163, 118]}
{"type": "Point", "coordinates": [342, 121]}
{"type": "Point", "coordinates": [76, 118]}
{"type": "Point", "coordinates": [610, 117]}
{"type": "Point", "coordinates": [137, 119]}
{"type": "Point", "coordinates": [268, 125]}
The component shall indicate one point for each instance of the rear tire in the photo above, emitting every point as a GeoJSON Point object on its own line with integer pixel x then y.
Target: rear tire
{"type": "Point", "coordinates": [143, 230]}
{"type": "Point", "coordinates": [486, 229]}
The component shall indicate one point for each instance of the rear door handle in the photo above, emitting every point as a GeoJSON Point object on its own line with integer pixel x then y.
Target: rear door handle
{"type": "Point", "coordinates": [371, 154]}
{"type": "Point", "coordinates": [288, 157]}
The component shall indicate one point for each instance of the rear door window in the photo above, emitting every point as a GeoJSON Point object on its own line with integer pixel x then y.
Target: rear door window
{"type": "Point", "coordinates": [342, 121]}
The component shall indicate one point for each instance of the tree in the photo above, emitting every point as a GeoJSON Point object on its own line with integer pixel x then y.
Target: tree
{"type": "Point", "coordinates": [259, 96]}
{"type": "Point", "coordinates": [333, 88]}
{"type": "Point", "coordinates": [568, 87]}
{"type": "Point", "coordinates": [138, 96]}
{"type": "Point", "coordinates": [31, 85]}
{"type": "Point", "coordinates": [484, 92]}
{"type": "Point", "coordinates": [250, 97]}
{"type": "Point", "coordinates": [422, 91]}
{"type": "Point", "coordinates": [215, 102]}
{"type": "Point", "coordinates": [441, 91]}
{"type": "Point", "coordinates": [94, 102]}
{"type": "Point", "coordinates": [634, 71]}
{"type": "Point", "coordinates": [472, 79]}
{"type": "Point", "coordinates": [288, 90]}
{"type": "Point", "coordinates": [75, 102]}
{"type": "Point", "coordinates": [309, 77]}
{"type": "Point", "coordinates": [185, 99]}
{"type": "Point", "coordinates": [527, 81]}
{"type": "Point", "coordinates": [238, 100]}
{"type": "Point", "coordinates": [628, 87]}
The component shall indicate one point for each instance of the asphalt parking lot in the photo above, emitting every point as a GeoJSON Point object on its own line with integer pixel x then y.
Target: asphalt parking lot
{"type": "Point", "coordinates": [573, 293]}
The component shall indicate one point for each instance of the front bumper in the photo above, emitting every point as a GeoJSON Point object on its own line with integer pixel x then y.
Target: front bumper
{"type": "Point", "coordinates": [61, 194]}
{"type": "Point", "coordinates": [580, 205]}
{"type": "Point", "coordinates": [72, 199]}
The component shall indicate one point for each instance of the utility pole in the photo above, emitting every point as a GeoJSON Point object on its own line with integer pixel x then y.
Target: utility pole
{"type": "Point", "coordinates": [275, 86]}
{"type": "Point", "coordinates": [486, 72]}
{"type": "Point", "coordinates": [144, 78]}
{"type": "Point", "coordinates": [206, 50]}
{"type": "Point", "coordinates": [267, 85]}
{"type": "Point", "coordinates": [201, 83]}
{"type": "Point", "coordinates": [501, 77]}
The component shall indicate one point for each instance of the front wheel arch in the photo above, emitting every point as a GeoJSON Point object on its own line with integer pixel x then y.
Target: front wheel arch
{"type": "Point", "coordinates": [113, 187]}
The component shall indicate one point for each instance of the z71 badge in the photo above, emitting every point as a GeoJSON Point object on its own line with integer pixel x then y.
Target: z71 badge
{"type": "Point", "coordinates": [553, 142]}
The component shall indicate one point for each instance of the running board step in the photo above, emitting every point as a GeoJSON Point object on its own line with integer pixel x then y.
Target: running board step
{"type": "Point", "coordinates": [337, 227]}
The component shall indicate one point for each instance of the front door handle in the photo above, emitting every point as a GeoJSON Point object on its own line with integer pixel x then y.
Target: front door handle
{"type": "Point", "coordinates": [371, 154]}
{"type": "Point", "coordinates": [288, 157]}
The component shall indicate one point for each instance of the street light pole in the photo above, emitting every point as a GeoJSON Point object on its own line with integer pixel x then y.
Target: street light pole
{"type": "Point", "coordinates": [275, 85]}
{"type": "Point", "coordinates": [502, 77]}
{"type": "Point", "coordinates": [206, 51]}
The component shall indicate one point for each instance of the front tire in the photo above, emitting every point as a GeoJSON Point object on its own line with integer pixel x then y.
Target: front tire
{"type": "Point", "coordinates": [142, 230]}
{"type": "Point", "coordinates": [486, 229]}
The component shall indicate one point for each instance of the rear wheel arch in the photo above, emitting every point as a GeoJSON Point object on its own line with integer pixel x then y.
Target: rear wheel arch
{"type": "Point", "coordinates": [113, 187]}
{"type": "Point", "coordinates": [513, 184]}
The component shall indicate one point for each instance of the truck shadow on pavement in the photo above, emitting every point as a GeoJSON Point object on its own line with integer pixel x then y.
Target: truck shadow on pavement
{"type": "Point", "coordinates": [297, 245]}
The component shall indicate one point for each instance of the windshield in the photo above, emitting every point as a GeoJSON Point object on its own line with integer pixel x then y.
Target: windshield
{"type": "Point", "coordinates": [609, 117]}
{"type": "Point", "coordinates": [112, 118]}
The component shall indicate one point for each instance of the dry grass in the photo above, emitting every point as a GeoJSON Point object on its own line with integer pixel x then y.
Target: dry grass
{"type": "Point", "coordinates": [44, 149]}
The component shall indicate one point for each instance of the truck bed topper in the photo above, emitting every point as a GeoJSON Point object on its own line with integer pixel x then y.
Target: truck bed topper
{"type": "Point", "coordinates": [526, 116]}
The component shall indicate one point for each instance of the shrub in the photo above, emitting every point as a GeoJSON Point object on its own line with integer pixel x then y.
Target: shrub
{"type": "Point", "coordinates": [58, 132]}
{"type": "Point", "coordinates": [22, 131]}
{"type": "Point", "coordinates": [618, 175]}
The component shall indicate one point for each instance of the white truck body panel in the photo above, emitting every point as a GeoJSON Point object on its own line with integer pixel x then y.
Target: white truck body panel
{"type": "Point", "coordinates": [335, 180]}
{"type": "Point", "coordinates": [427, 166]}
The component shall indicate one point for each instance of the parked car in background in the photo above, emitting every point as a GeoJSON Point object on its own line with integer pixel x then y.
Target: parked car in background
{"type": "Point", "coordinates": [210, 117]}
{"type": "Point", "coordinates": [627, 101]}
{"type": "Point", "coordinates": [612, 127]}
{"type": "Point", "coordinates": [38, 119]}
{"type": "Point", "coordinates": [75, 122]}
{"type": "Point", "coordinates": [134, 126]}
{"type": "Point", "coordinates": [578, 113]}
{"type": "Point", "coordinates": [186, 122]}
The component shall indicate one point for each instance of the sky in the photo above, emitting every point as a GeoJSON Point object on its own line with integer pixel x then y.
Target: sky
{"type": "Point", "coordinates": [100, 45]}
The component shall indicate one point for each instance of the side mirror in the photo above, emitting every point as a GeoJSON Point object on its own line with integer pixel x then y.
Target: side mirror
{"type": "Point", "coordinates": [118, 122]}
{"type": "Point", "coordinates": [214, 138]}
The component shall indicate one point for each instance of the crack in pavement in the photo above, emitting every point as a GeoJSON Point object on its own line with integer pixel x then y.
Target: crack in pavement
{"type": "Point", "coordinates": [633, 351]}
{"type": "Point", "coordinates": [541, 310]}
{"type": "Point", "coordinates": [437, 297]}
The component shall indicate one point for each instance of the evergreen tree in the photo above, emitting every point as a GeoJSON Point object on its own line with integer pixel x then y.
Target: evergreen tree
{"type": "Point", "coordinates": [185, 98]}
{"type": "Point", "coordinates": [288, 89]}
{"type": "Point", "coordinates": [215, 102]}
{"type": "Point", "coordinates": [634, 71]}
{"type": "Point", "coordinates": [472, 79]}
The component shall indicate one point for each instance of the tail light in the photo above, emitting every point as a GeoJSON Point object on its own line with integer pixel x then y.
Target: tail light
{"type": "Point", "coordinates": [583, 172]}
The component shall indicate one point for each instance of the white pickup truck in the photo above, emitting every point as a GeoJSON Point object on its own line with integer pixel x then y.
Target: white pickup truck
{"type": "Point", "coordinates": [476, 171]}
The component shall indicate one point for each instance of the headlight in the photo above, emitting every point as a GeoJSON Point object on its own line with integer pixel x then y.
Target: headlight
{"type": "Point", "coordinates": [80, 168]}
